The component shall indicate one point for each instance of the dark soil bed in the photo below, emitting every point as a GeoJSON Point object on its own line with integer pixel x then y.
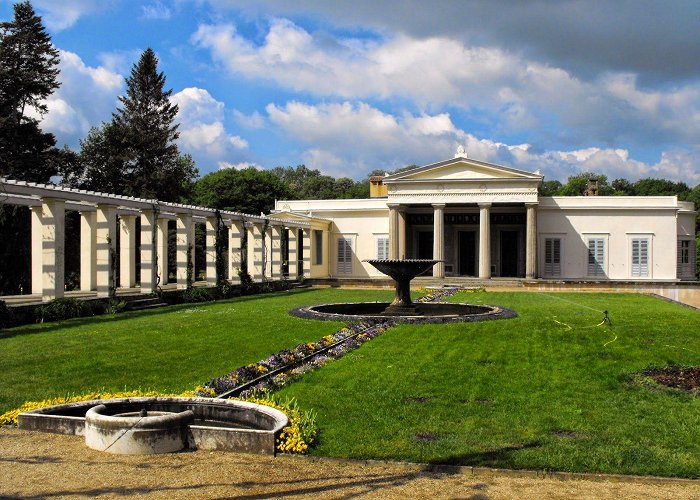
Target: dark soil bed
{"type": "Point", "coordinates": [678, 377]}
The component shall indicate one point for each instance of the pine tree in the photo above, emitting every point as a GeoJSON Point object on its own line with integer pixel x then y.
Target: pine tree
{"type": "Point", "coordinates": [135, 154]}
{"type": "Point", "coordinates": [28, 75]}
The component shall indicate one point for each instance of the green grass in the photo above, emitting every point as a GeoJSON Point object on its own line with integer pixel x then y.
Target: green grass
{"type": "Point", "coordinates": [170, 350]}
{"type": "Point", "coordinates": [547, 390]}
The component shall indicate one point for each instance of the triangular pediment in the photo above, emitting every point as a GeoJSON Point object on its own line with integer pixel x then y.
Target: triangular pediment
{"type": "Point", "coordinates": [461, 169]}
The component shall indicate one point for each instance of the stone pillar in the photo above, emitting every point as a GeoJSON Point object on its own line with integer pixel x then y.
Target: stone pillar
{"type": "Point", "coordinates": [402, 233]}
{"type": "Point", "coordinates": [235, 252]}
{"type": "Point", "coordinates": [210, 250]}
{"type": "Point", "coordinates": [531, 241]}
{"type": "Point", "coordinates": [53, 219]}
{"type": "Point", "coordinates": [149, 251]}
{"type": "Point", "coordinates": [293, 258]}
{"type": "Point", "coordinates": [185, 242]}
{"type": "Point", "coordinates": [255, 251]}
{"type": "Point", "coordinates": [439, 239]}
{"type": "Point", "coordinates": [306, 253]}
{"type": "Point", "coordinates": [37, 251]}
{"type": "Point", "coordinates": [484, 241]}
{"type": "Point", "coordinates": [127, 251]}
{"type": "Point", "coordinates": [393, 231]}
{"type": "Point", "coordinates": [106, 251]}
{"type": "Point", "coordinates": [162, 249]}
{"type": "Point", "coordinates": [276, 251]}
{"type": "Point", "coordinates": [88, 251]}
{"type": "Point", "coordinates": [267, 252]}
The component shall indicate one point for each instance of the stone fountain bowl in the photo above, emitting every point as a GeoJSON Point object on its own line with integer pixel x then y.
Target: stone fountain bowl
{"type": "Point", "coordinates": [170, 423]}
{"type": "Point", "coordinates": [401, 269]}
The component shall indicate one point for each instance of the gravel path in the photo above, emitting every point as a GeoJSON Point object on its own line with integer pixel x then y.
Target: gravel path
{"type": "Point", "coordinates": [36, 465]}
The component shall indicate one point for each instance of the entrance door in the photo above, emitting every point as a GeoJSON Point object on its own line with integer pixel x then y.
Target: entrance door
{"type": "Point", "coordinates": [509, 253]}
{"type": "Point", "coordinates": [467, 253]}
{"type": "Point", "coordinates": [425, 245]}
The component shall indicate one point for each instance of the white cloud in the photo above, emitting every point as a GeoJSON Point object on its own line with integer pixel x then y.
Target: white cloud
{"type": "Point", "coordinates": [87, 96]}
{"type": "Point", "coordinates": [119, 61]}
{"type": "Point", "coordinates": [223, 165]}
{"type": "Point", "coordinates": [202, 130]}
{"type": "Point", "coordinates": [522, 95]}
{"type": "Point", "coordinates": [156, 11]}
{"type": "Point", "coordinates": [351, 140]}
{"type": "Point", "coordinates": [252, 121]}
{"type": "Point", "coordinates": [64, 14]}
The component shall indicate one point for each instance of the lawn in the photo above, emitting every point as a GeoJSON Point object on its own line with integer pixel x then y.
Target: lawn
{"type": "Point", "coordinates": [170, 350]}
{"type": "Point", "coordinates": [551, 389]}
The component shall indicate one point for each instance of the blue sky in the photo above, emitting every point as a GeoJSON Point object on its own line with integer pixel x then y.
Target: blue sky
{"type": "Point", "coordinates": [349, 87]}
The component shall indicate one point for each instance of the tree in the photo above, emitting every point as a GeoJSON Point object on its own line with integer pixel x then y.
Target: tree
{"type": "Point", "coordinates": [135, 154]}
{"type": "Point", "coordinates": [28, 75]}
{"type": "Point", "coordinates": [661, 187]}
{"type": "Point", "coordinates": [248, 190]}
{"type": "Point", "coordinates": [576, 185]}
{"type": "Point", "coordinates": [623, 187]}
{"type": "Point", "coordinates": [550, 188]}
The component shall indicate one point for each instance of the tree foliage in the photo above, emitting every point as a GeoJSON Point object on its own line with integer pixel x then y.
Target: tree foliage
{"type": "Point", "coordinates": [135, 154]}
{"type": "Point", "coordinates": [308, 184]}
{"type": "Point", "coordinates": [28, 75]}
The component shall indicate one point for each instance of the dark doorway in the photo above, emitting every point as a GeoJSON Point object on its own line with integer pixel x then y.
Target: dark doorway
{"type": "Point", "coordinates": [467, 253]}
{"type": "Point", "coordinates": [300, 252]}
{"type": "Point", "coordinates": [425, 245]}
{"type": "Point", "coordinates": [509, 253]}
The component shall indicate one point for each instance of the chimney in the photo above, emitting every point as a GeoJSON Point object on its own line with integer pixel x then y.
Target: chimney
{"type": "Point", "coordinates": [377, 188]}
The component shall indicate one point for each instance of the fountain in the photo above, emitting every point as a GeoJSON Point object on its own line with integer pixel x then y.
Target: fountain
{"type": "Point", "coordinates": [403, 309]}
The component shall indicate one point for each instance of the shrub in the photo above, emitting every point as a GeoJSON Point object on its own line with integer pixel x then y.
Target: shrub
{"type": "Point", "coordinates": [248, 287]}
{"type": "Point", "coordinates": [63, 308]}
{"type": "Point", "coordinates": [6, 316]}
{"type": "Point", "coordinates": [226, 291]}
{"type": "Point", "coordinates": [196, 295]}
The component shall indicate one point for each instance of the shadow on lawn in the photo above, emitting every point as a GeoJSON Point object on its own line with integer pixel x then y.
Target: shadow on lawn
{"type": "Point", "coordinates": [492, 458]}
{"type": "Point", "coordinates": [106, 318]}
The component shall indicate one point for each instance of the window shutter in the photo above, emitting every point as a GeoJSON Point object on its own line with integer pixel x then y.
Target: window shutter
{"type": "Point", "coordinates": [382, 248]}
{"type": "Point", "coordinates": [552, 257]}
{"type": "Point", "coordinates": [596, 257]}
{"type": "Point", "coordinates": [640, 257]}
{"type": "Point", "coordinates": [344, 256]}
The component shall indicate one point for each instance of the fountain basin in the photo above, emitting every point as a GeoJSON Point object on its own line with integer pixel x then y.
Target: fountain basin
{"type": "Point", "coordinates": [426, 312]}
{"type": "Point", "coordinates": [217, 424]}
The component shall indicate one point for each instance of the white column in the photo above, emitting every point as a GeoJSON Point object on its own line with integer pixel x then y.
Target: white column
{"type": "Point", "coordinates": [531, 241]}
{"type": "Point", "coordinates": [162, 249]}
{"type": "Point", "coordinates": [149, 252]}
{"type": "Point", "coordinates": [37, 251]}
{"type": "Point", "coordinates": [292, 246]}
{"type": "Point", "coordinates": [484, 240]}
{"type": "Point", "coordinates": [255, 251]}
{"type": "Point", "coordinates": [276, 251]}
{"type": "Point", "coordinates": [235, 235]}
{"type": "Point", "coordinates": [439, 239]}
{"type": "Point", "coordinates": [306, 253]}
{"type": "Point", "coordinates": [393, 231]}
{"type": "Point", "coordinates": [402, 233]}
{"type": "Point", "coordinates": [185, 240]}
{"type": "Point", "coordinates": [53, 219]}
{"type": "Point", "coordinates": [210, 250]}
{"type": "Point", "coordinates": [127, 251]}
{"type": "Point", "coordinates": [88, 251]}
{"type": "Point", "coordinates": [106, 251]}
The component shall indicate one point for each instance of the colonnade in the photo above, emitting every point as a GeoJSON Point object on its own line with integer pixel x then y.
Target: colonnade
{"type": "Point", "coordinates": [102, 216]}
{"type": "Point", "coordinates": [397, 237]}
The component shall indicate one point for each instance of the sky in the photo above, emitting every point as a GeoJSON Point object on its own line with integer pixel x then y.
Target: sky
{"type": "Point", "coordinates": [348, 87]}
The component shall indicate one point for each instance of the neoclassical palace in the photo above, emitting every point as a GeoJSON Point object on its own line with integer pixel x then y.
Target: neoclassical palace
{"type": "Point", "coordinates": [486, 221]}
{"type": "Point", "coordinates": [479, 219]}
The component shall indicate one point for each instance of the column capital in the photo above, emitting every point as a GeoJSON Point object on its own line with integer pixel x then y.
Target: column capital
{"type": "Point", "coordinates": [485, 204]}
{"type": "Point", "coordinates": [438, 205]}
{"type": "Point", "coordinates": [394, 205]}
{"type": "Point", "coordinates": [532, 204]}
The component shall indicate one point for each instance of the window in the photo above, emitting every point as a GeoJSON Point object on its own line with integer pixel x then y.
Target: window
{"type": "Point", "coordinates": [684, 251]}
{"type": "Point", "coordinates": [344, 255]}
{"type": "Point", "coordinates": [318, 247]}
{"type": "Point", "coordinates": [640, 257]}
{"type": "Point", "coordinates": [596, 257]}
{"type": "Point", "coordinates": [552, 257]}
{"type": "Point", "coordinates": [382, 247]}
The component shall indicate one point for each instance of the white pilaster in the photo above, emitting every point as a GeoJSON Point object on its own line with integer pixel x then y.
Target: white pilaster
{"type": "Point", "coordinates": [235, 237]}
{"type": "Point", "coordinates": [162, 249]}
{"type": "Point", "coordinates": [127, 251]}
{"type": "Point", "coordinates": [105, 248]}
{"type": "Point", "coordinates": [37, 251]}
{"type": "Point", "coordinates": [484, 240]}
{"type": "Point", "coordinates": [531, 241]}
{"type": "Point", "coordinates": [149, 251]}
{"type": "Point", "coordinates": [306, 253]}
{"type": "Point", "coordinates": [292, 242]}
{"type": "Point", "coordinates": [185, 242]}
{"type": "Point", "coordinates": [439, 239]}
{"type": "Point", "coordinates": [402, 233]}
{"type": "Point", "coordinates": [53, 248]}
{"type": "Point", "coordinates": [88, 251]}
{"type": "Point", "coordinates": [276, 251]}
{"type": "Point", "coordinates": [393, 231]}
{"type": "Point", "coordinates": [255, 251]}
{"type": "Point", "coordinates": [210, 250]}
